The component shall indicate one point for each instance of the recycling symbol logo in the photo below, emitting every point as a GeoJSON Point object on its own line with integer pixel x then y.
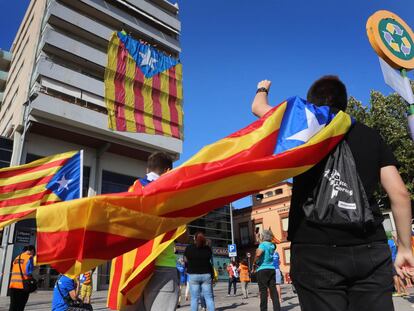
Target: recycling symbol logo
{"type": "Point", "coordinates": [392, 39]}
{"type": "Point", "coordinates": [397, 39]}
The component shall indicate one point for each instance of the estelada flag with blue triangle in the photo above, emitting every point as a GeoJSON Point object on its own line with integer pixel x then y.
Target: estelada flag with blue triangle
{"type": "Point", "coordinates": [289, 140]}
{"type": "Point", "coordinates": [45, 181]}
{"type": "Point", "coordinates": [143, 88]}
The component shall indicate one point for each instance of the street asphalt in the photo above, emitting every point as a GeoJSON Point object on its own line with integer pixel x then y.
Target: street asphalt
{"type": "Point", "coordinates": [40, 301]}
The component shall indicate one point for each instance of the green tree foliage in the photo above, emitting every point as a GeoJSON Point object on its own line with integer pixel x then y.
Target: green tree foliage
{"type": "Point", "coordinates": [388, 115]}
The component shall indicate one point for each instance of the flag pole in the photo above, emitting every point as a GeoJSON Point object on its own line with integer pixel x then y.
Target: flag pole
{"type": "Point", "coordinates": [81, 175]}
{"type": "Point", "coordinates": [411, 120]}
{"type": "Point", "coordinates": [410, 116]}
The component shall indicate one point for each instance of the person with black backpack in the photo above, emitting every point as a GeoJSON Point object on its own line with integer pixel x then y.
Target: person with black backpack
{"type": "Point", "coordinates": [340, 259]}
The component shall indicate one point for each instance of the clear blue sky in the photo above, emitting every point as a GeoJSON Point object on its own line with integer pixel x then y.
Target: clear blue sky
{"type": "Point", "coordinates": [228, 46]}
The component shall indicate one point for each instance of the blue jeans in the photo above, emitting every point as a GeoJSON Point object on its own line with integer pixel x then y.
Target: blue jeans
{"type": "Point", "coordinates": [201, 283]}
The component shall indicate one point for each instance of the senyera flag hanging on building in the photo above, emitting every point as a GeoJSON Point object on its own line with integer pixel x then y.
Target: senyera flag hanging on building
{"type": "Point", "coordinates": [291, 138]}
{"type": "Point", "coordinates": [143, 88]}
{"type": "Point", "coordinates": [45, 181]}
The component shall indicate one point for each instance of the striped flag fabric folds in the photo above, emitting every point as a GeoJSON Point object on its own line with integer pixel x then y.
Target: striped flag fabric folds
{"type": "Point", "coordinates": [131, 272]}
{"type": "Point", "coordinates": [45, 181]}
{"type": "Point", "coordinates": [143, 88]}
{"type": "Point", "coordinates": [287, 141]}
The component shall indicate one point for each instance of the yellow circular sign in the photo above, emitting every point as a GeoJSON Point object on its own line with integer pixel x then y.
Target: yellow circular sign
{"type": "Point", "coordinates": [392, 39]}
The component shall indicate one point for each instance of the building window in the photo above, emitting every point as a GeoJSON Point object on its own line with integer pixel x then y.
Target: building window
{"type": "Point", "coordinates": [258, 230]}
{"type": "Point", "coordinates": [215, 225]}
{"type": "Point", "coordinates": [285, 224]}
{"type": "Point", "coordinates": [278, 191]}
{"type": "Point", "coordinates": [268, 194]}
{"type": "Point", "coordinates": [244, 234]}
{"type": "Point", "coordinates": [85, 181]}
{"type": "Point", "coordinates": [114, 182]}
{"type": "Point", "coordinates": [259, 197]}
{"type": "Point", "coordinates": [286, 256]}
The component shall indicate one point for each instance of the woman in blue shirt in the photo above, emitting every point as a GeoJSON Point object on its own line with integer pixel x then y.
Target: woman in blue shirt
{"type": "Point", "coordinates": [266, 277]}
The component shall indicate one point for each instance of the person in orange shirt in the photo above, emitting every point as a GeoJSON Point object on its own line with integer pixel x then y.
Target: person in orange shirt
{"type": "Point", "coordinates": [244, 277]}
{"type": "Point", "coordinates": [22, 269]}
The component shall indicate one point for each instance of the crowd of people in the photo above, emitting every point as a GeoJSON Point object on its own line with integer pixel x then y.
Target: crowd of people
{"type": "Point", "coordinates": [198, 276]}
{"type": "Point", "coordinates": [67, 291]}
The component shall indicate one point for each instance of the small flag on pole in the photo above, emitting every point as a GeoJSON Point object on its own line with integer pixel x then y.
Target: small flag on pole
{"type": "Point", "coordinates": [45, 181]}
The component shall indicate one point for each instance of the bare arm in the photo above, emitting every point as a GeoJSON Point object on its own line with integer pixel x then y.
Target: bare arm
{"type": "Point", "coordinates": [401, 210]}
{"type": "Point", "coordinates": [257, 256]}
{"type": "Point", "coordinates": [260, 105]}
{"type": "Point", "coordinates": [73, 295]}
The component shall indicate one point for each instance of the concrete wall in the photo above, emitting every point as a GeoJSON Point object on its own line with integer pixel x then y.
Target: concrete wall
{"type": "Point", "coordinates": [24, 45]}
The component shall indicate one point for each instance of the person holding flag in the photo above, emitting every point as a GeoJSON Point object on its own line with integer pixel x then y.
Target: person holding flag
{"type": "Point", "coordinates": [343, 267]}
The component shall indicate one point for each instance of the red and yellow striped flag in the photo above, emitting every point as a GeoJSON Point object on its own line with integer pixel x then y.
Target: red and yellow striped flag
{"type": "Point", "coordinates": [131, 272]}
{"type": "Point", "coordinates": [23, 188]}
{"type": "Point", "coordinates": [262, 154]}
{"type": "Point", "coordinates": [143, 88]}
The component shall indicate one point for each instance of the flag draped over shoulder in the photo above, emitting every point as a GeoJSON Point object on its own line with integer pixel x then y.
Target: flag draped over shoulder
{"type": "Point", "coordinates": [45, 181]}
{"type": "Point", "coordinates": [143, 88]}
{"type": "Point", "coordinates": [287, 141]}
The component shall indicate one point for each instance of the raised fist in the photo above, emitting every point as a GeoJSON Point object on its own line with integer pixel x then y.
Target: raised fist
{"type": "Point", "coordinates": [264, 83]}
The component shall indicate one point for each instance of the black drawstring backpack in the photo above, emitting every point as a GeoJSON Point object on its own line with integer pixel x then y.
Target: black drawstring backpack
{"type": "Point", "coordinates": [339, 199]}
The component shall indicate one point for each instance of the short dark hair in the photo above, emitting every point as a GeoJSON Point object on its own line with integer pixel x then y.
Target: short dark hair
{"type": "Point", "coordinates": [328, 91]}
{"type": "Point", "coordinates": [159, 162]}
{"type": "Point", "coordinates": [29, 248]}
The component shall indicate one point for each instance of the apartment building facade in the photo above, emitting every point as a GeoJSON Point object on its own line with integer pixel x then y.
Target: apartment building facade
{"type": "Point", "coordinates": [53, 99]}
{"type": "Point", "coordinates": [5, 60]}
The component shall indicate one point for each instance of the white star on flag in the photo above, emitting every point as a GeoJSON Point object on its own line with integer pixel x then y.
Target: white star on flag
{"type": "Point", "coordinates": [313, 128]}
{"type": "Point", "coordinates": [147, 60]}
{"type": "Point", "coordinates": [63, 183]}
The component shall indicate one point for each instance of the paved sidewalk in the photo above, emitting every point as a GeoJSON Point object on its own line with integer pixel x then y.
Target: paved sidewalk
{"type": "Point", "coordinates": [40, 301]}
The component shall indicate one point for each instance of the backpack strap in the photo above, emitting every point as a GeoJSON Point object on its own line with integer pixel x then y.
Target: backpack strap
{"type": "Point", "coordinates": [20, 267]}
{"type": "Point", "coordinates": [63, 297]}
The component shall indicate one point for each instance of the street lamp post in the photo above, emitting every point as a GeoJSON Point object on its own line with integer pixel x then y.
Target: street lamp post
{"type": "Point", "coordinates": [231, 223]}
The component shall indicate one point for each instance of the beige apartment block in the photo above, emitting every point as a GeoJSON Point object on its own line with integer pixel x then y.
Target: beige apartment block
{"type": "Point", "coordinates": [269, 210]}
{"type": "Point", "coordinates": [5, 60]}
{"type": "Point", "coordinates": [53, 98]}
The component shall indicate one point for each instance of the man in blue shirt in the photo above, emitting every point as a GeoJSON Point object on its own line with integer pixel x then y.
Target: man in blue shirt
{"type": "Point", "coordinates": [276, 264]}
{"type": "Point", "coordinates": [64, 287]}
